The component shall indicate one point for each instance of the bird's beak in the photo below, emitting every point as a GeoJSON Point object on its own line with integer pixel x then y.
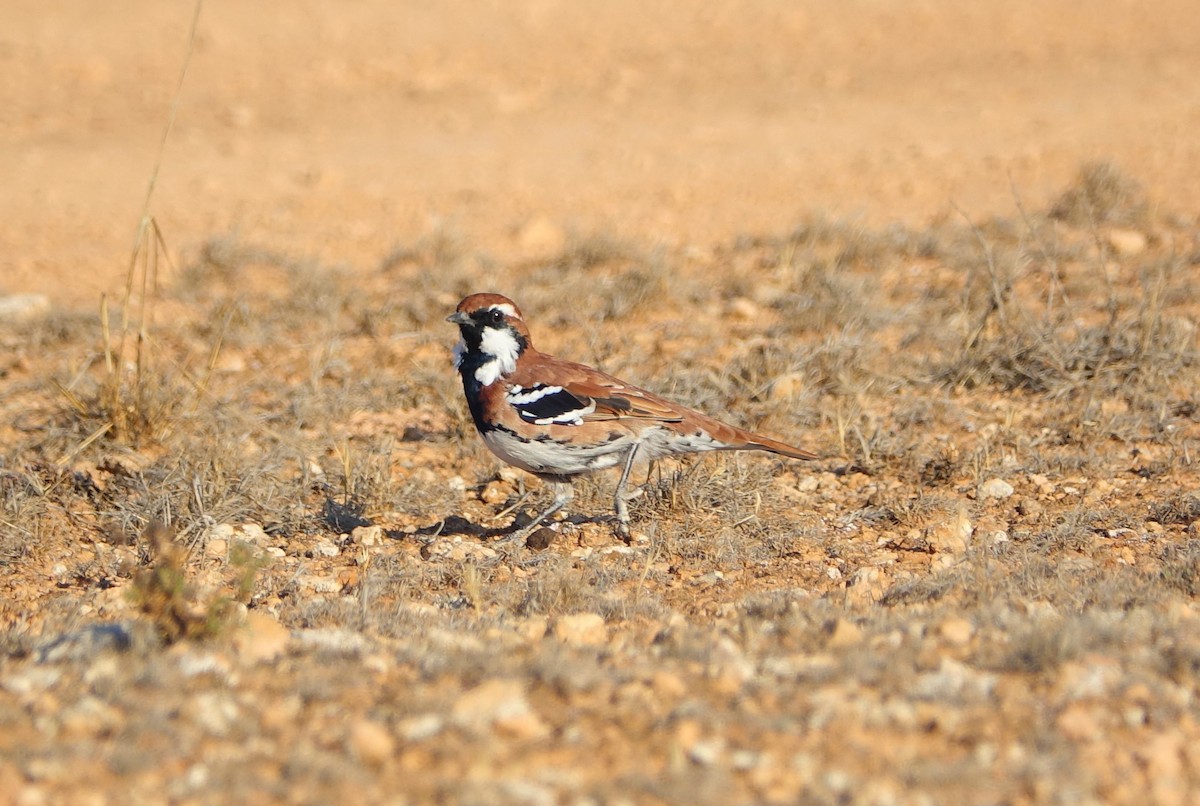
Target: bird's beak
{"type": "Point", "coordinates": [458, 318]}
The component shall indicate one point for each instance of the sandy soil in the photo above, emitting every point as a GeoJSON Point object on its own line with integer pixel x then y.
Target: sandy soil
{"type": "Point", "coordinates": [985, 592]}
{"type": "Point", "coordinates": [345, 132]}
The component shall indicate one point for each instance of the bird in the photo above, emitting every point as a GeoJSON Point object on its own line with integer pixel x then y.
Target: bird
{"type": "Point", "coordinates": [560, 420]}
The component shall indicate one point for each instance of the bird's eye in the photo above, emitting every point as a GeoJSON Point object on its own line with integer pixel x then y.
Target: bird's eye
{"type": "Point", "coordinates": [496, 317]}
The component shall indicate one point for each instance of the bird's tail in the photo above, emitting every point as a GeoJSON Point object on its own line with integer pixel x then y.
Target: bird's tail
{"type": "Point", "coordinates": [757, 442]}
{"type": "Point", "coordinates": [739, 439]}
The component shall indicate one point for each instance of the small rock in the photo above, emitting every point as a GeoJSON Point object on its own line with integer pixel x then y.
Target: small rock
{"type": "Point", "coordinates": [1127, 242]}
{"type": "Point", "coordinates": [800, 666]}
{"type": "Point", "coordinates": [1030, 507]}
{"type": "Point", "coordinates": [997, 538]}
{"type": "Point", "coordinates": [30, 682]}
{"type": "Point", "coordinates": [808, 484]}
{"type": "Point", "coordinates": [540, 539]}
{"type": "Point", "coordinates": [348, 578]}
{"type": "Point", "coordinates": [216, 549]}
{"type": "Point", "coordinates": [247, 532]}
{"type": "Point", "coordinates": [706, 752]}
{"type": "Point", "coordinates": [499, 704]}
{"type": "Point", "coordinates": [728, 666]}
{"type": "Point", "coordinates": [668, 684]}
{"type": "Point", "coordinates": [334, 641]}
{"type": "Point", "coordinates": [845, 634]}
{"type": "Point", "coordinates": [456, 549]}
{"type": "Point", "coordinates": [1093, 677]}
{"type": "Point", "coordinates": [496, 492]}
{"type": "Point", "coordinates": [371, 742]}
{"type": "Point", "coordinates": [1044, 485]}
{"type": "Point", "coordinates": [326, 548]}
{"type": "Point", "coordinates": [1078, 723]}
{"type": "Point", "coordinates": [103, 670]}
{"type": "Point", "coordinates": [261, 639]}
{"type": "Point", "coordinates": [318, 584]}
{"type": "Point", "coordinates": [367, 535]}
{"type": "Point", "coordinates": [214, 712]}
{"type": "Point", "coordinates": [194, 663]}
{"type": "Point", "coordinates": [952, 680]}
{"type": "Point", "coordinates": [745, 308]}
{"type": "Point", "coordinates": [1163, 755]}
{"type": "Point", "coordinates": [868, 584]}
{"type": "Point", "coordinates": [956, 630]}
{"type": "Point", "coordinates": [253, 533]}
{"type": "Point", "coordinates": [743, 760]}
{"type": "Point", "coordinates": [687, 733]}
{"type": "Point", "coordinates": [995, 488]}
{"type": "Point", "coordinates": [421, 727]}
{"type": "Point", "coordinates": [279, 714]}
{"type": "Point", "coordinates": [90, 717]}
{"type": "Point", "coordinates": [23, 307]}
{"type": "Point", "coordinates": [581, 629]}
{"type": "Point", "coordinates": [952, 537]}
{"type": "Point", "coordinates": [533, 628]}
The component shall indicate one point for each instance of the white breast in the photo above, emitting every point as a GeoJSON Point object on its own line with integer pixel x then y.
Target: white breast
{"type": "Point", "coordinates": [556, 458]}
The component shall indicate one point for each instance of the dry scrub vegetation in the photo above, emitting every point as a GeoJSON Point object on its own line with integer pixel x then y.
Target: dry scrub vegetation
{"type": "Point", "coordinates": [247, 554]}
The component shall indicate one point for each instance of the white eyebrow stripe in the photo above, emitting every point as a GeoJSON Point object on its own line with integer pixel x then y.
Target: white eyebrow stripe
{"type": "Point", "coordinates": [504, 308]}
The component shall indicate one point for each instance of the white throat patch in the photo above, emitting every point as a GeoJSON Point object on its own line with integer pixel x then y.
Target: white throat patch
{"type": "Point", "coordinates": [501, 348]}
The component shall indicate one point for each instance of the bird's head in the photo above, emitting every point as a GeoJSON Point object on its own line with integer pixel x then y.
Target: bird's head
{"type": "Point", "coordinates": [492, 331]}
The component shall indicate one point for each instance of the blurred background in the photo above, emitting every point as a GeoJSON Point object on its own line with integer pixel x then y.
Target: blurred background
{"type": "Point", "coordinates": [340, 130]}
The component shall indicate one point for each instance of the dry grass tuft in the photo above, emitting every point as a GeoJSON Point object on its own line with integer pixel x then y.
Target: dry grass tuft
{"type": "Point", "coordinates": [176, 607]}
{"type": "Point", "coordinates": [1100, 195]}
{"type": "Point", "coordinates": [136, 397]}
{"type": "Point", "coordinates": [1183, 510]}
{"type": "Point", "coordinates": [22, 506]}
{"type": "Point", "coordinates": [163, 594]}
{"type": "Point", "coordinates": [1051, 322]}
{"type": "Point", "coordinates": [1181, 567]}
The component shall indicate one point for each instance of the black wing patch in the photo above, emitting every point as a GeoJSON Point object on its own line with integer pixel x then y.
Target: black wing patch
{"type": "Point", "coordinates": [543, 404]}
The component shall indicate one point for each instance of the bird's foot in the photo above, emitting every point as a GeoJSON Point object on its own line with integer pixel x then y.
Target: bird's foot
{"type": "Point", "coordinates": [621, 505]}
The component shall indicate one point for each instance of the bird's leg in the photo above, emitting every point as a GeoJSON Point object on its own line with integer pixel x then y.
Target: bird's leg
{"type": "Point", "coordinates": [563, 492]}
{"type": "Point", "coordinates": [621, 497]}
